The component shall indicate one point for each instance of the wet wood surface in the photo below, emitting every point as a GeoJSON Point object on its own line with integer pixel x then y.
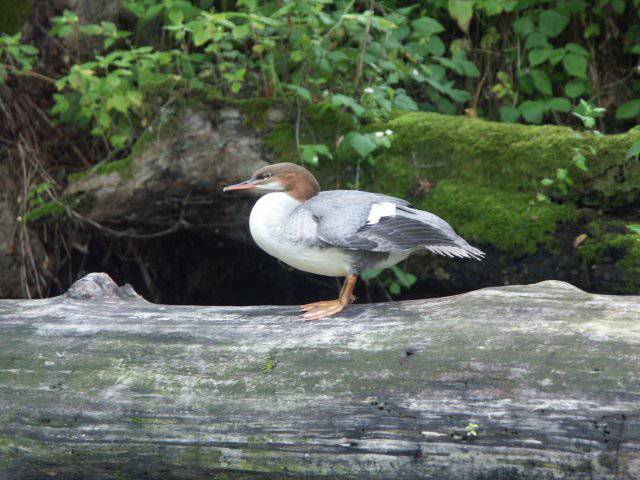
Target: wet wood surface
{"type": "Point", "coordinates": [537, 381]}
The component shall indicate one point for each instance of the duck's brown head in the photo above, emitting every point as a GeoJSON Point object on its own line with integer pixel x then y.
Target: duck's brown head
{"type": "Point", "coordinates": [290, 178]}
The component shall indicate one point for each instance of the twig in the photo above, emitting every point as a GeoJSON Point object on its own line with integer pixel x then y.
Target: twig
{"type": "Point", "coordinates": [363, 50]}
{"type": "Point", "coordinates": [298, 116]}
{"type": "Point", "coordinates": [340, 20]}
{"type": "Point", "coordinates": [476, 97]}
{"type": "Point", "coordinates": [146, 275]}
{"type": "Point", "coordinates": [30, 73]}
{"type": "Point", "coordinates": [181, 223]}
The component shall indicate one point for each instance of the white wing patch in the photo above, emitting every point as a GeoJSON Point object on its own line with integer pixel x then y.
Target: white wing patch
{"type": "Point", "coordinates": [379, 210]}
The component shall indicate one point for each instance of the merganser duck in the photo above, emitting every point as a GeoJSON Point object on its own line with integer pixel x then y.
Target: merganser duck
{"type": "Point", "coordinates": [340, 233]}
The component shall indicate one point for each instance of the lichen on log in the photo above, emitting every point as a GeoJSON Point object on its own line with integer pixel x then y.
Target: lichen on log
{"type": "Point", "coordinates": [533, 381]}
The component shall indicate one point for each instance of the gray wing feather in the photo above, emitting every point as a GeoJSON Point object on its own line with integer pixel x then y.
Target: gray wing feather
{"type": "Point", "coordinates": [342, 222]}
{"type": "Point", "coordinates": [341, 213]}
{"type": "Point", "coordinates": [410, 229]}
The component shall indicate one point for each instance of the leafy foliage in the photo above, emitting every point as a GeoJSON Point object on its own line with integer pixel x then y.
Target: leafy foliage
{"type": "Point", "coordinates": [15, 56]}
{"type": "Point", "coordinates": [587, 114]}
{"type": "Point", "coordinates": [366, 59]}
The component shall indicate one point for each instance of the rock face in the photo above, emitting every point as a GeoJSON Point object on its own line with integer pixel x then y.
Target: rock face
{"type": "Point", "coordinates": [193, 154]}
{"type": "Point", "coordinates": [533, 381]}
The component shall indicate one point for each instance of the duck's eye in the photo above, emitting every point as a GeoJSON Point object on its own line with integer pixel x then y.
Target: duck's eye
{"type": "Point", "coordinates": [264, 176]}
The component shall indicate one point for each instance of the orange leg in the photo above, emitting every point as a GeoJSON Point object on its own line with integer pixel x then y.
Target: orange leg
{"type": "Point", "coordinates": [327, 308]}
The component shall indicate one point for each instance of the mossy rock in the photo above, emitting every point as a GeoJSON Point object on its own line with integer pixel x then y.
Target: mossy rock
{"type": "Point", "coordinates": [486, 175]}
{"type": "Point", "coordinates": [615, 260]}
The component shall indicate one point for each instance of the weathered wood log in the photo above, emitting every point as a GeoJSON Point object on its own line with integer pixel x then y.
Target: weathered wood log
{"type": "Point", "coordinates": [534, 381]}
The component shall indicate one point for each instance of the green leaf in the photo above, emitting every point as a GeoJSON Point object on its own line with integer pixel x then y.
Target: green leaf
{"type": "Point", "coordinates": [533, 111]}
{"type": "Point", "coordinates": [405, 103]}
{"type": "Point", "coordinates": [580, 161]}
{"type": "Point", "coordinates": [539, 55]}
{"type": "Point", "coordinates": [547, 182]}
{"type": "Point", "coordinates": [592, 30]}
{"type": "Point", "coordinates": [135, 97]}
{"type": "Point", "coordinates": [70, 16]}
{"type": "Point", "coordinates": [541, 81]}
{"type": "Point", "coordinates": [577, 49]}
{"type": "Point", "coordinates": [153, 11]}
{"type": "Point", "coordinates": [459, 96]}
{"type": "Point", "coordinates": [300, 91]}
{"type": "Point", "coordinates": [104, 120]}
{"type": "Point", "coordinates": [462, 12]}
{"type": "Point", "coordinates": [536, 40]}
{"type": "Point", "coordinates": [343, 100]}
{"type": "Point", "coordinates": [553, 22]}
{"type": "Point", "coordinates": [241, 32]}
{"type": "Point", "coordinates": [559, 104]}
{"type": "Point", "coordinates": [394, 288]}
{"type": "Point", "coordinates": [310, 153]}
{"type": "Point", "coordinates": [136, 8]}
{"type": "Point", "coordinates": [29, 49]}
{"type": "Point", "coordinates": [406, 279]}
{"type": "Point", "coordinates": [62, 104]}
{"type": "Point", "coordinates": [557, 55]}
{"type": "Point", "coordinates": [362, 144]}
{"type": "Point", "coordinates": [470, 69]}
{"type": "Point", "coordinates": [628, 110]}
{"type": "Point", "coordinates": [562, 174]}
{"type": "Point", "coordinates": [575, 88]}
{"type": "Point", "coordinates": [119, 102]}
{"type": "Point", "coordinates": [370, 274]}
{"type": "Point", "coordinates": [523, 26]}
{"type": "Point", "coordinates": [634, 228]}
{"type": "Point", "coordinates": [382, 23]}
{"type": "Point", "coordinates": [427, 26]}
{"type": "Point", "coordinates": [575, 65]}
{"type": "Point", "coordinates": [91, 29]}
{"type": "Point", "coordinates": [618, 6]}
{"type": "Point", "coordinates": [435, 46]}
{"type": "Point", "coordinates": [62, 30]}
{"type": "Point", "coordinates": [201, 36]}
{"type": "Point", "coordinates": [634, 151]}
{"type": "Point", "coordinates": [509, 114]}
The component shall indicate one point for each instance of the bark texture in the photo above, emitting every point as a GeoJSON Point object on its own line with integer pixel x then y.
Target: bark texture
{"type": "Point", "coordinates": [536, 381]}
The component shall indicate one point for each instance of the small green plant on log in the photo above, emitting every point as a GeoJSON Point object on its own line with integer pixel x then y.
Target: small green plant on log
{"type": "Point", "coordinates": [588, 115]}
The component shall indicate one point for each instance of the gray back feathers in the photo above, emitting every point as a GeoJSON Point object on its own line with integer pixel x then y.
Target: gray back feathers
{"type": "Point", "coordinates": [342, 221]}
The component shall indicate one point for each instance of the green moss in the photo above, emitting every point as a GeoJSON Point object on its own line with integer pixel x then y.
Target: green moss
{"type": "Point", "coordinates": [623, 250]}
{"type": "Point", "coordinates": [51, 208]}
{"type": "Point", "coordinates": [486, 175]}
{"type": "Point", "coordinates": [507, 156]}
{"type": "Point", "coordinates": [13, 13]}
{"type": "Point", "coordinates": [269, 364]}
{"type": "Point", "coordinates": [122, 167]}
{"type": "Point", "coordinates": [509, 221]}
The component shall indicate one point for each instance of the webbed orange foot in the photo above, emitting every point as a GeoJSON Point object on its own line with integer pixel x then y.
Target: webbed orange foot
{"type": "Point", "coordinates": [327, 308]}
{"type": "Point", "coordinates": [318, 310]}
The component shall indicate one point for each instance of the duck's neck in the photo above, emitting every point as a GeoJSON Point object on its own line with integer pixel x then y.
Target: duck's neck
{"type": "Point", "coordinates": [272, 211]}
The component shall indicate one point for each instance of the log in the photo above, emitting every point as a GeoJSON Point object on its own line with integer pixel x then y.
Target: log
{"type": "Point", "coordinates": [534, 381]}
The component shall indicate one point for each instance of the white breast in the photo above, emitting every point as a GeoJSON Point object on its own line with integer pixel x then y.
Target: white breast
{"type": "Point", "coordinates": [290, 238]}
